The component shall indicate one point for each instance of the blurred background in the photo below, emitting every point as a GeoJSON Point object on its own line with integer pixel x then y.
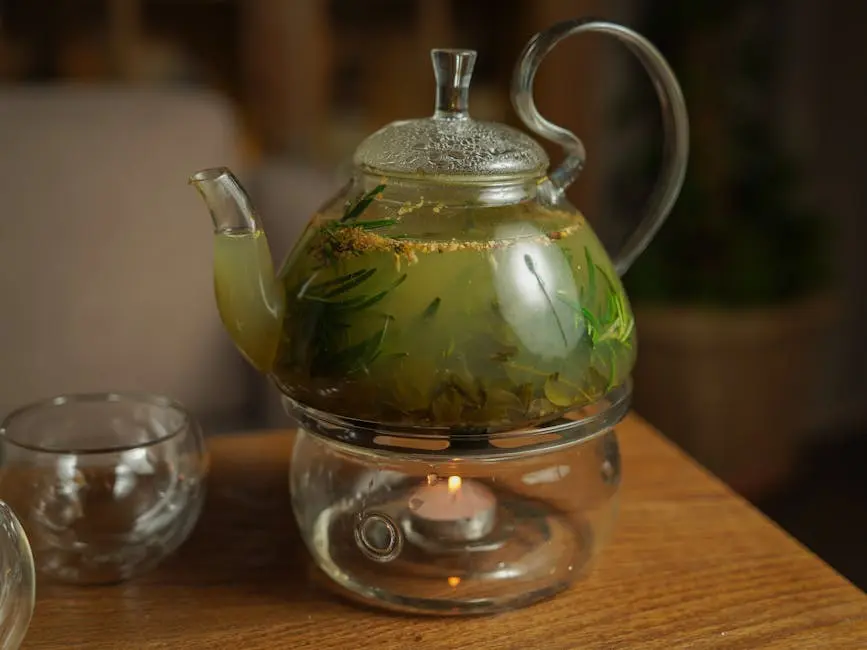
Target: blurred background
{"type": "Point", "coordinates": [751, 302]}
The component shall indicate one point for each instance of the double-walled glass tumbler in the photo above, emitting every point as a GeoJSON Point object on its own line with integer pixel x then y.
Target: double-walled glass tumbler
{"type": "Point", "coordinates": [106, 485]}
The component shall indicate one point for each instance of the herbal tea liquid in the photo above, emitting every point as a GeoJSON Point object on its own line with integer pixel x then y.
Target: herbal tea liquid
{"type": "Point", "coordinates": [515, 318]}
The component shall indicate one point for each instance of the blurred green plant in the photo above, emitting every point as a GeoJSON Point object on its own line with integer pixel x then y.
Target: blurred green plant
{"type": "Point", "coordinates": [740, 235]}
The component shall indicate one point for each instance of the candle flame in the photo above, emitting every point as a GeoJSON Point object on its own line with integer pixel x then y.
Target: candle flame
{"type": "Point", "coordinates": [454, 581]}
{"type": "Point", "coordinates": [454, 484]}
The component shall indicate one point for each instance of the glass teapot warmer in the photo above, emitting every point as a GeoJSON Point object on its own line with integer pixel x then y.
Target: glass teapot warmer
{"type": "Point", "coordinates": [456, 345]}
{"type": "Point", "coordinates": [420, 524]}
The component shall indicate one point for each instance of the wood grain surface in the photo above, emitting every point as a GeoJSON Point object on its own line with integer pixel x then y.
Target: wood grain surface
{"type": "Point", "coordinates": [690, 566]}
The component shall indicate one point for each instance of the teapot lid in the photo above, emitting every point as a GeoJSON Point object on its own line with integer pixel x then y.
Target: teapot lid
{"type": "Point", "coordinates": [451, 145]}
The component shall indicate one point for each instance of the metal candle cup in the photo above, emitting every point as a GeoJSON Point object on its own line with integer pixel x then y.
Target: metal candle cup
{"type": "Point", "coordinates": [453, 510]}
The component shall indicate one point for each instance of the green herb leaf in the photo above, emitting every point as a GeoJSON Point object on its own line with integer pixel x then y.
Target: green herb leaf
{"type": "Point", "coordinates": [373, 224]}
{"type": "Point", "coordinates": [354, 358]}
{"type": "Point", "coordinates": [351, 283]}
{"type": "Point", "coordinates": [357, 304]}
{"type": "Point", "coordinates": [447, 406]}
{"type": "Point", "coordinates": [338, 280]}
{"type": "Point", "coordinates": [353, 211]}
{"type": "Point", "coordinates": [591, 323]}
{"type": "Point", "coordinates": [613, 307]}
{"type": "Point", "coordinates": [590, 295]}
{"type": "Point", "coordinates": [373, 349]}
{"type": "Point", "coordinates": [611, 286]}
{"type": "Point", "coordinates": [593, 328]}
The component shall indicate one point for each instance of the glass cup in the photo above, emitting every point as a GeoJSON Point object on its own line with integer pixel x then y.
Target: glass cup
{"type": "Point", "coordinates": [106, 485]}
{"type": "Point", "coordinates": [16, 580]}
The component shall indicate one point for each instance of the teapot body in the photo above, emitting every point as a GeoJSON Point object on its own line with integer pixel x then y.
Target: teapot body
{"type": "Point", "coordinates": [443, 305]}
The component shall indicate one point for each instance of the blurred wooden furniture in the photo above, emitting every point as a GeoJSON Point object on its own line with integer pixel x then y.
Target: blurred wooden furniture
{"type": "Point", "coordinates": [286, 59]}
{"type": "Point", "coordinates": [691, 565]}
{"type": "Point", "coordinates": [312, 78]}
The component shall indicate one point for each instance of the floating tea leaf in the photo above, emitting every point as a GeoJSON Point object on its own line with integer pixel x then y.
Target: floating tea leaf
{"type": "Point", "coordinates": [410, 397]}
{"type": "Point", "coordinates": [506, 354]}
{"type": "Point", "coordinates": [447, 406]}
{"type": "Point", "coordinates": [431, 310]}
{"type": "Point", "coordinates": [503, 404]}
{"type": "Point", "coordinates": [525, 394]}
{"type": "Point", "coordinates": [559, 392]}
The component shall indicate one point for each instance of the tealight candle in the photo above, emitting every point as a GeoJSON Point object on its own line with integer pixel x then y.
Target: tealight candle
{"type": "Point", "coordinates": [454, 510]}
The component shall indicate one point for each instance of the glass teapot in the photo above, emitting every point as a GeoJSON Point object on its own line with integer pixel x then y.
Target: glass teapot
{"type": "Point", "coordinates": [449, 285]}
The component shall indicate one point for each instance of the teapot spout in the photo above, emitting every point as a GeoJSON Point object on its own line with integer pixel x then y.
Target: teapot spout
{"type": "Point", "coordinates": [249, 297]}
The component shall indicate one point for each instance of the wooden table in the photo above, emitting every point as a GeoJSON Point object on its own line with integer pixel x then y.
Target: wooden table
{"type": "Point", "coordinates": [691, 566]}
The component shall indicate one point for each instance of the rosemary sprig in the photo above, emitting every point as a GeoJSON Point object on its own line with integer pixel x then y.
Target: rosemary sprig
{"type": "Point", "coordinates": [616, 324]}
{"type": "Point", "coordinates": [594, 329]}
{"type": "Point", "coordinates": [620, 322]}
{"type": "Point", "coordinates": [351, 283]}
{"type": "Point", "coordinates": [375, 224]}
{"type": "Point", "coordinates": [328, 324]}
{"type": "Point", "coordinates": [355, 358]}
{"type": "Point", "coordinates": [372, 348]}
{"type": "Point", "coordinates": [354, 210]}
{"type": "Point", "coordinates": [590, 296]}
{"type": "Point", "coordinates": [338, 280]}
{"type": "Point", "coordinates": [329, 243]}
{"type": "Point", "coordinates": [356, 303]}
{"type": "Point", "coordinates": [365, 302]}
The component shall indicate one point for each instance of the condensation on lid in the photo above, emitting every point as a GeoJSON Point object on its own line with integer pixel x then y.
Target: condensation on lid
{"type": "Point", "coordinates": [451, 143]}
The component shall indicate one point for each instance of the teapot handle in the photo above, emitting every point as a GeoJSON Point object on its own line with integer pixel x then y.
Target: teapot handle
{"type": "Point", "coordinates": [674, 119]}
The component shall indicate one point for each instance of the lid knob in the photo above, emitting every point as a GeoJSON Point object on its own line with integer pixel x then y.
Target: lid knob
{"type": "Point", "coordinates": [453, 70]}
